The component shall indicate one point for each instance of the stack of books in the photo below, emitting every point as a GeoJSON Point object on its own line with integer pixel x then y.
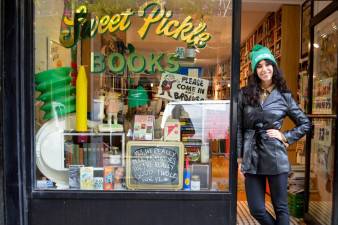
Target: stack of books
{"type": "Point", "coordinates": [296, 179]}
{"type": "Point", "coordinates": [87, 154]}
{"type": "Point", "coordinates": [187, 128]}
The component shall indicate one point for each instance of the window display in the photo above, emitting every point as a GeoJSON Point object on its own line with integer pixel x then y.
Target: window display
{"type": "Point", "coordinates": [126, 99]}
{"type": "Point", "coordinates": [323, 149]}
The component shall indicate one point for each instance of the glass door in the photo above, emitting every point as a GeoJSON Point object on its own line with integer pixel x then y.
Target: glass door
{"type": "Point", "coordinates": [324, 112]}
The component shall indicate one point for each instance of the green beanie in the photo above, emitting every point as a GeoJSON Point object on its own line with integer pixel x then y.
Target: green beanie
{"type": "Point", "coordinates": [259, 53]}
{"type": "Point", "coordinates": [137, 97]}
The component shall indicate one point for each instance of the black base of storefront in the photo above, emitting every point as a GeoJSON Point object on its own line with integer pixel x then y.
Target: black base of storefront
{"type": "Point", "coordinates": [140, 208]}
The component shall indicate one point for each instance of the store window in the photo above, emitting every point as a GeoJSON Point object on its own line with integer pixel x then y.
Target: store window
{"type": "Point", "coordinates": [132, 95]}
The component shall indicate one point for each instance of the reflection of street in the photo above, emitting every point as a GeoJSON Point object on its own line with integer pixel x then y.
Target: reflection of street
{"type": "Point", "coordinates": [322, 211]}
{"type": "Point", "coordinates": [244, 217]}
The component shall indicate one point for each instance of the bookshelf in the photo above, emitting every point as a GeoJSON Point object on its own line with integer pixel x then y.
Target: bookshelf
{"type": "Point", "coordinates": [280, 33]}
{"type": "Point", "coordinates": [96, 151]}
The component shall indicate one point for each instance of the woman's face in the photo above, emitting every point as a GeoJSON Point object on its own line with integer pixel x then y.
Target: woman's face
{"type": "Point", "coordinates": [265, 71]}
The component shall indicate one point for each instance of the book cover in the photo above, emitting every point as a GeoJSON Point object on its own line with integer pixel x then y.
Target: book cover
{"type": "Point", "coordinates": [172, 130]}
{"type": "Point", "coordinates": [74, 176]}
{"type": "Point", "coordinates": [108, 178]}
{"type": "Point", "coordinates": [143, 127]}
{"type": "Point", "coordinates": [87, 178]}
{"type": "Point", "coordinates": [98, 183]}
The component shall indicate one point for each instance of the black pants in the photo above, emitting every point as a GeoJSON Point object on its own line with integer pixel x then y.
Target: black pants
{"type": "Point", "coordinates": [255, 194]}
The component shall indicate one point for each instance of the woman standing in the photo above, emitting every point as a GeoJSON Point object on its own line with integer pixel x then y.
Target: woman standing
{"type": "Point", "coordinates": [263, 105]}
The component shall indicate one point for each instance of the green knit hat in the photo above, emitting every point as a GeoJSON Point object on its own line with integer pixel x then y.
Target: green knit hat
{"type": "Point", "coordinates": [259, 53]}
{"type": "Point", "coordinates": [137, 97]}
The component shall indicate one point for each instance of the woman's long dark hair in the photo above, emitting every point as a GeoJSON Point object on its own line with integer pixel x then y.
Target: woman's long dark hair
{"type": "Point", "coordinates": [252, 90]}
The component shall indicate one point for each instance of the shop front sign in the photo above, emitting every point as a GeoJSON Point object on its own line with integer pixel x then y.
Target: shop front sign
{"type": "Point", "coordinates": [152, 13]}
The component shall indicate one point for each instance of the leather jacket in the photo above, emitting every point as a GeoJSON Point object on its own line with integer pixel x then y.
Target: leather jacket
{"type": "Point", "coordinates": [261, 154]}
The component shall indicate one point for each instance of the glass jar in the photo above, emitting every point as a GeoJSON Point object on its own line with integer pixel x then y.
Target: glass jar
{"type": "Point", "coordinates": [195, 183]}
{"type": "Point", "coordinates": [114, 156]}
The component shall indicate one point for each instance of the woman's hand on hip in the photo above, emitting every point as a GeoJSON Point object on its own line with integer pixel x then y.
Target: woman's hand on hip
{"type": "Point", "coordinates": [273, 133]}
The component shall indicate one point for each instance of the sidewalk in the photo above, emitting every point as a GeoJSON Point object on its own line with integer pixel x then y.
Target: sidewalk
{"type": "Point", "coordinates": [244, 217]}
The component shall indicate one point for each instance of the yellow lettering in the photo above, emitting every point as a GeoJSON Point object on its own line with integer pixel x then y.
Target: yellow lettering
{"type": "Point", "coordinates": [125, 22]}
{"type": "Point", "coordinates": [170, 24]}
{"type": "Point", "coordinates": [197, 30]}
{"type": "Point", "coordinates": [185, 27]}
{"type": "Point", "coordinates": [82, 9]}
{"type": "Point", "coordinates": [94, 26]}
{"type": "Point", "coordinates": [103, 25]}
{"type": "Point", "coordinates": [202, 39]}
{"type": "Point", "coordinates": [161, 26]}
{"type": "Point", "coordinates": [114, 23]}
{"type": "Point", "coordinates": [154, 16]}
{"type": "Point", "coordinates": [67, 21]}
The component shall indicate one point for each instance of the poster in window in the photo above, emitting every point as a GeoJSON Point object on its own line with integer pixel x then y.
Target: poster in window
{"type": "Point", "coordinates": [322, 99]}
{"type": "Point", "coordinates": [323, 131]}
{"type": "Point", "coordinates": [177, 87]}
{"type": "Point", "coordinates": [58, 56]}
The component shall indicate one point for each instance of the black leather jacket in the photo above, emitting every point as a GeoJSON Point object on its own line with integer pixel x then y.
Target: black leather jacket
{"type": "Point", "coordinates": [261, 154]}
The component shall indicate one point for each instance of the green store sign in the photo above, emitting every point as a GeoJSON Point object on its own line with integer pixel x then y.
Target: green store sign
{"type": "Point", "coordinates": [137, 63]}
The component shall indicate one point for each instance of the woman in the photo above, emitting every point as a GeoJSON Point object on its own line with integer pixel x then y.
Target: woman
{"type": "Point", "coordinates": [263, 105]}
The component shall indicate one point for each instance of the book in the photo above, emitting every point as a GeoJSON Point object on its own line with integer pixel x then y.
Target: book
{"type": "Point", "coordinates": [172, 130]}
{"type": "Point", "coordinates": [98, 183]}
{"type": "Point", "coordinates": [74, 176]}
{"type": "Point", "coordinates": [87, 178]}
{"type": "Point", "coordinates": [85, 154]}
{"type": "Point", "coordinates": [81, 152]}
{"type": "Point", "coordinates": [92, 155]}
{"type": "Point", "coordinates": [68, 146]}
{"type": "Point", "coordinates": [108, 178]}
{"type": "Point", "coordinates": [143, 127]}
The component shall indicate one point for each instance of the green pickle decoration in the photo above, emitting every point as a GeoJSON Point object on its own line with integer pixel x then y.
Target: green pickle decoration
{"type": "Point", "coordinates": [57, 93]}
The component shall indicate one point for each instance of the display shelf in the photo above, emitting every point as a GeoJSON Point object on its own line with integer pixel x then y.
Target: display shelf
{"type": "Point", "coordinates": [93, 148]}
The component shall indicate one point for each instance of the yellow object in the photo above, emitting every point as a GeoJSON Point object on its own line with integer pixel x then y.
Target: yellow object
{"type": "Point", "coordinates": [81, 100]}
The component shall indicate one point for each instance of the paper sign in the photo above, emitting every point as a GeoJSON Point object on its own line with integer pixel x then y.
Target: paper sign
{"type": "Point", "coordinates": [182, 88]}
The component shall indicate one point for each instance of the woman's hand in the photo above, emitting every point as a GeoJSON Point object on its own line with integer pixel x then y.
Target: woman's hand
{"type": "Point", "coordinates": [239, 161]}
{"type": "Point", "coordinates": [273, 133]}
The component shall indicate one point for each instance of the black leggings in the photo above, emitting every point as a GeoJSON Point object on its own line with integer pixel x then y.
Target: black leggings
{"type": "Point", "coordinates": [255, 194]}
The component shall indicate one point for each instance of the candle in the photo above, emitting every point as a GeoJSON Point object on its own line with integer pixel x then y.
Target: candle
{"type": "Point", "coordinates": [81, 100]}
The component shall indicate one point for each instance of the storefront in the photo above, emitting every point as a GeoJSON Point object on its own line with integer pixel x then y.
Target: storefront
{"type": "Point", "coordinates": [321, 103]}
{"type": "Point", "coordinates": [120, 112]}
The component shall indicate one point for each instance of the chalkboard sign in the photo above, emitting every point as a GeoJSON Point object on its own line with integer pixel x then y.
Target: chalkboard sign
{"type": "Point", "coordinates": [154, 165]}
